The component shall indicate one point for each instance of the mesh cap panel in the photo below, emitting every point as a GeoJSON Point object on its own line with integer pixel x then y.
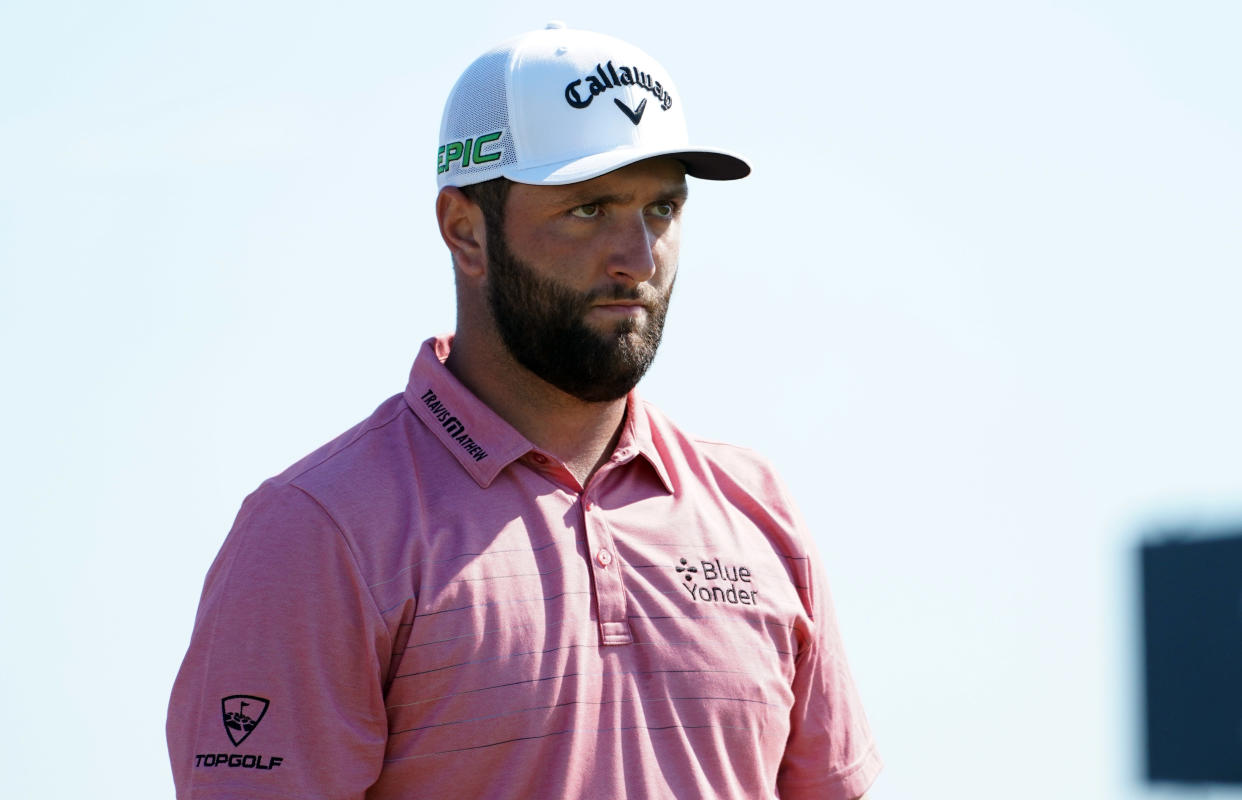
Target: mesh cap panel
{"type": "Point", "coordinates": [477, 107]}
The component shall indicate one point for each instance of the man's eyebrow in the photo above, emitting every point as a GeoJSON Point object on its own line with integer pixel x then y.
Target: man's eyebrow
{"type": "Point", "coordinates": [677, 192]}
{"type": "Point", "coordinates": [581, 197]}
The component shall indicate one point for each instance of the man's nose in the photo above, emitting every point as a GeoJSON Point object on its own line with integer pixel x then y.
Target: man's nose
{"type": "Point", "coordinates": [632, 250]}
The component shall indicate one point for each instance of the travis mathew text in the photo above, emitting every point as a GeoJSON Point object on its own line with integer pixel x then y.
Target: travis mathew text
{"type": "Point", "coordinates": [455, 427]}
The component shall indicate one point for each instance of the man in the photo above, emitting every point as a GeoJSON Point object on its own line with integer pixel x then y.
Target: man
{"type": "Point", "coordinates": [517, 579]}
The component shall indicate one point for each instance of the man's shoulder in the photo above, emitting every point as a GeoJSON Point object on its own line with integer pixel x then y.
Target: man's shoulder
{"type": "Point", "coordinates": [749, 466]}
{"type": "Point", "coordinates": [359, 447]}
{"type": "Point", "coordinates": [361, 465]}
{"type": "Point", "coordinates": [737, 477]}
{"type": "Point", "coordinates": [356, 483]}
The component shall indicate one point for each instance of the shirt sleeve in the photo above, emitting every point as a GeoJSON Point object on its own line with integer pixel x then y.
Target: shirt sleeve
{"type": "Point", "coordinates": [830, 754]}
{"type": "Point", "coordinates": [280, 694]}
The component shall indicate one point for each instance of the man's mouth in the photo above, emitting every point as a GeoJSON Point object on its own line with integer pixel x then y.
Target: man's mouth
{"type": "Point", "coordinates": [621, 308]}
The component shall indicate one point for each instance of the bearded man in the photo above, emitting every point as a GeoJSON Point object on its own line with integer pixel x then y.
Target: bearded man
{"type": "Point", "coordinates": [516, 579]}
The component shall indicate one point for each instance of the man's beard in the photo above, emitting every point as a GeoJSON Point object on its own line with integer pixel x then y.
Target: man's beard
{"type": "Point", "coordinates": [542, 323]}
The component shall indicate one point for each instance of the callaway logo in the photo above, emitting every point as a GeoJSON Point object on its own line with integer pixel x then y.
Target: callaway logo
{"type": "Point", "coordinates": [714, 582]}
{"type": "Point", "coordinates": [636, 116]}
{"type": "Point", "coordinates": [606, 77]}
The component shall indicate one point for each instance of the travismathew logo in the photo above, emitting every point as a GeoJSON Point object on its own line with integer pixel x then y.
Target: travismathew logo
{"type": "Point", "coordinates": [242, 714]}
{"type": "Point", "coordinates": [606, 77]}
{"type": "Point", "coordinates": [455, 427]}
{"type": "Point", "coordinates": [714, 582]}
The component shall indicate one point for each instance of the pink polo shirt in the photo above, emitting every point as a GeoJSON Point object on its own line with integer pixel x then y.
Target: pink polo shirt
{"type": "Point", "coordinates": [431, 607]}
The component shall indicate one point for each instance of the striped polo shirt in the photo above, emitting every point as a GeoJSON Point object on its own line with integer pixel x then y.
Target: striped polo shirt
{"type": "Point", "coordinates": [430, 606]}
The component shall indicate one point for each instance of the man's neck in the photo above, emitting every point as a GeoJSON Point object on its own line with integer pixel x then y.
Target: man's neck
{"type": "Point", "coordinates": [581, 435]}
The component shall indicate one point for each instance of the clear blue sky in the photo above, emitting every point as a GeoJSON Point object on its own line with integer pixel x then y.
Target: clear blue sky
{"type": "Point", "coordinates": [978, 302]}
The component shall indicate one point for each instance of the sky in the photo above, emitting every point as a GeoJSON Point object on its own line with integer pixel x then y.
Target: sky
{"type": "Point", "coordinates": [977, 302]}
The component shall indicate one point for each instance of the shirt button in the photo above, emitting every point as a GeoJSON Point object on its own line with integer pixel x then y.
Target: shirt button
{"type": "Point", "coordinates": [603, 557]}
{"type": "Point", "coordinates": [586, 505]}
{"type": "Point", "coordinates": [538, 458]}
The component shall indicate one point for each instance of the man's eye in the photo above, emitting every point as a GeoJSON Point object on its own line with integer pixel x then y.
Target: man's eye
{"type": "Point", "coordinates": [663, 210]}
{"type": "Point", "coordinates": [588, 211]}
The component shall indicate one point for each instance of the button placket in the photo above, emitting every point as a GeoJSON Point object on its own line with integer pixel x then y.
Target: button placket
{"type": "Point", "coordinates": [614, 627]}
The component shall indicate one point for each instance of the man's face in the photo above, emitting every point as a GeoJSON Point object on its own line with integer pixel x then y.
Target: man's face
{"type": "Point", "coordinates": [579, 279]}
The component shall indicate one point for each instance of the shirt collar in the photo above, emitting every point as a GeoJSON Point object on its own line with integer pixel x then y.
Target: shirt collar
{"type": "Point", "coordinates": [636, 439]}
{"type": "Point", "coordinates": [478, 438]}
{"type": "Point", "coordinates": [482, 442]}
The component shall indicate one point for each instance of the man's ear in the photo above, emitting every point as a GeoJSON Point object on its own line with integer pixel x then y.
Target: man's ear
{"type": "Point", "coordinates": [463, 230]}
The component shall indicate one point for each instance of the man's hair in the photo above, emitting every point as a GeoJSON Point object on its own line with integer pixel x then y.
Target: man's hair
{"type": "Point", "coordinates": [490, 197]}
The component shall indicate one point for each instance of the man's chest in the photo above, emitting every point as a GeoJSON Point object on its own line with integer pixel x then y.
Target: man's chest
{"type": "Point", "coordinates": [657, 615]}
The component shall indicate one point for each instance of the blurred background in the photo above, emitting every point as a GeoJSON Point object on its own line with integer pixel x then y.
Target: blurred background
{"type": "Point", "coordinates": [979, 302]}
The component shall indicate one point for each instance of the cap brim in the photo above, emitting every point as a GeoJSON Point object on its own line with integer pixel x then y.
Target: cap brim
{"type": "Point", "coordinates": [708, 164]}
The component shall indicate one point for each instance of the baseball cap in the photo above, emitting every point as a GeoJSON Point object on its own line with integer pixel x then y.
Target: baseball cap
{"type": "Point", "coordinates": [559, 106]}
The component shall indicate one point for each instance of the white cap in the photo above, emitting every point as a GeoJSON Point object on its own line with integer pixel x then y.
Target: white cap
{"type": "Point", "coordinates": [560, 106]}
